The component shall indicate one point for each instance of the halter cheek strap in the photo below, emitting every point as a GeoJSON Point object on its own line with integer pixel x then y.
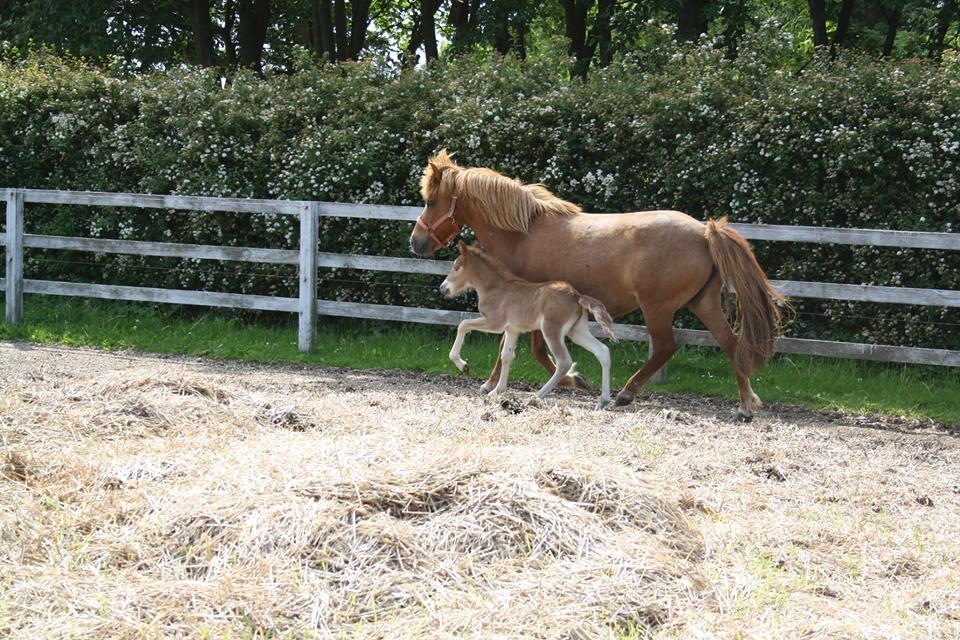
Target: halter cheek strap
{"type": "Point", "coordinates": [431, 230]}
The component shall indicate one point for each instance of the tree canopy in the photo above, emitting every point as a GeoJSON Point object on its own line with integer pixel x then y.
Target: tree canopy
{"type": "Point", "coordinates": [276, 34]}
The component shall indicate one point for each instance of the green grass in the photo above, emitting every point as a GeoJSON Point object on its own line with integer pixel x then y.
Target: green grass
{"type": "Point", "coordinates": [915, 391]}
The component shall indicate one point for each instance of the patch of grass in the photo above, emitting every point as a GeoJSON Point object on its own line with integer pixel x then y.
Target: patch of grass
{"type": "Point", "coordinates": [890, 389]}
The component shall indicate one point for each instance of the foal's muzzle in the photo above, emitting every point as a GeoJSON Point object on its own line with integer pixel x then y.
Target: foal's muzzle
{"type": "Point", "coordinates": [445, 288]}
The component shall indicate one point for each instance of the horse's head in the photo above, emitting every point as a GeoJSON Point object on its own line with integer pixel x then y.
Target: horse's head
{"type": "Point", "coordinates": [437, 226]}
{"type": "Point", "coordinates": [460, 277]}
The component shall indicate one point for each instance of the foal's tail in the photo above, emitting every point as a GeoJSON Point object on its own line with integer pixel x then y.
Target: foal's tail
{"type": "Point", "coordinates": [600, 314]}
{"type": "Point", "coordinates": [758, 303]}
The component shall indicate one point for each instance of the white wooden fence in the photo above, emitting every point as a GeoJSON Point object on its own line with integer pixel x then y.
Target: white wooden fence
{"type": "Point", "coordinates": [309, 259]}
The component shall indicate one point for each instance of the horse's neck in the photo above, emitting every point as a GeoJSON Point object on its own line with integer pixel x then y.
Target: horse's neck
{"type": "Point", "coordinates": [501, 243]}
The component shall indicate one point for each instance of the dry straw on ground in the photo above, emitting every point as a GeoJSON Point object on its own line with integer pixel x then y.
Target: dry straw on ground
{"type": "Point", "coordinates": [157, 498]}
{"type": "Point", "coordinates": [391, 541]}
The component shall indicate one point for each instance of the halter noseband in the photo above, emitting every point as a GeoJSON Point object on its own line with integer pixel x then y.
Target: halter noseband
{"type": "Point", "coordinates": [431, 230]}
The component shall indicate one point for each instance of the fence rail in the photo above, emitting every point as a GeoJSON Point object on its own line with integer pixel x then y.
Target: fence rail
{"type": "Point", "coordinates": [309, 259]}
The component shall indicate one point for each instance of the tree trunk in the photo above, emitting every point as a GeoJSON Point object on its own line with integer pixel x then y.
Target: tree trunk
{"type": "Point", "coordinates": [735, 16]}
{"type": "Point", "coordinates": [340, 22]}
{"type": "Point", "coordinates": [409, 56]}
{"type": "Point", "coordinates": [202, 32]}
{"type": "Point", "coordinates": [252, 31]}
{"type": "Point", "coordinates": [818, 18]}
{"type": "Point", "coordinates": [575, 12]}
{"type": "Point", "coordinates": [946, 16]}
{"type": "Point", "coordinates": [501, 30]}
{"type": "Point", "coordinates": [459, 19]}
{"type": "Point", "coordinates": [893, 25]}
{"type": "Point", "coordinates": [840, 36]}
{"type": "Point", "coordinates": [322, 21]}
{"type": "Point", "coordinates": [600, 34]}
{"type": "Point", "coordinates": [359, 21]}
{"type": "Point", "coordinates": [429, 31]}
{"type": "Point", "coordinates": [520, 38]}
{"type": "Point", "coordinates": [229, 19]}
{"type": "Point", "coordinates": [692, 20]}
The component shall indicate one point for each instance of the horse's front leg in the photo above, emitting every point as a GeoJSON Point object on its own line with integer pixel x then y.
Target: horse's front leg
{"type": "Point", "coordinates": [477, 324]}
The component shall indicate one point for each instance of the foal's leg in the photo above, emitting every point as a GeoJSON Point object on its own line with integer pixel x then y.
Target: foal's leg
{"type": "Point", "coordinates": [660, 326]}
{"type": "Point", "coordinates": [494, 376]}
{"type": "Point", "coordinates": [710, 312]}
{"type": "Point", "coordinates": [581, 335]}
{"type": "Point", "coordinates": [557, 347]}
{"type": "Point", "coordinates": [477, 324]}
{"type": "Point", "coordinates": [506, 357]}
{"type": "Point", "coordinates": [539, 348]}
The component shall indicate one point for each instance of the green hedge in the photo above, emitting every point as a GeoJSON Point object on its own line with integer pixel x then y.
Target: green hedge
{"type": "Point", "coordinates": [857, 143]}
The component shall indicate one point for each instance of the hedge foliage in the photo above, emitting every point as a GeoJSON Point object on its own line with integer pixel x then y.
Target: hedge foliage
{"type": "Point", "coordinates": [856, 143]}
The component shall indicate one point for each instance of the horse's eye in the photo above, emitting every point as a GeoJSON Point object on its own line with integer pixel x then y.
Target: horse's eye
{"type": "Point", "coordinates": [430, 203]}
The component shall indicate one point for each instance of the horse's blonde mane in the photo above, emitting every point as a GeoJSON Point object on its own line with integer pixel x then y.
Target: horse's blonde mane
{"type": "Point", "coordinates": [503, 202]}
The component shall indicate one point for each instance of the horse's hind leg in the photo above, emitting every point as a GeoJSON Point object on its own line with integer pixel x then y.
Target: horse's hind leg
{"type": "Point", "coordinates": [581, 335]}
{"type": "Point", "coordinates": [660, 325]}
{"type": "Point", "coordinates": [710, 312]}
{"type": "Point", "coordinates": [539, 347]}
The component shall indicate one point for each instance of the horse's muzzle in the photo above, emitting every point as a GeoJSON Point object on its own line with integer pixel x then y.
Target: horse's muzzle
{"type": "Point", "coordinates": [421, 245]}
{"type": "Point", "coordinates": [445, 288]}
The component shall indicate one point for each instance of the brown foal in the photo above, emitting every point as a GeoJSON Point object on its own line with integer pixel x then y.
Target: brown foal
{"type": "Point", "coordinates": [512, 306]}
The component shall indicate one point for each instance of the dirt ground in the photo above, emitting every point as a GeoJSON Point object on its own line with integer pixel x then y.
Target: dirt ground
{"type": "Point", "coordinates": [146, 496]}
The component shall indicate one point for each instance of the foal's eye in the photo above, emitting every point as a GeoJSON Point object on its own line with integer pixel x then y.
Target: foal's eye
{"type": "Point", "coordinates": [430, 203]}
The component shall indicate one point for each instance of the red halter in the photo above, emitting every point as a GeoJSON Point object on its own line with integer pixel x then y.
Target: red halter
{"type": "Point", "coordinates": [435, 227]}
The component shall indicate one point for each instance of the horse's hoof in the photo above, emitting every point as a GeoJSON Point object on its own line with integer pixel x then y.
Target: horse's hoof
{"type": "Point", "coordinates": [742, 416]}
{"type": "Point", "coordinates": [601, 405]}
{"type": "Point", "coordinates": [623, 399]}
{"type": "Point", "coordinates": [466, 369]}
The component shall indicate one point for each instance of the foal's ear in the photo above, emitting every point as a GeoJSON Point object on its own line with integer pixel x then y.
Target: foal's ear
{"type": "Point", "coordinates": [462, 247]}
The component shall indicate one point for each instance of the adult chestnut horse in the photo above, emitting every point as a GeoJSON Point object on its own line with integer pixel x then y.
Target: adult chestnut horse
{"type": "Point", "coordinates": [657, 261]}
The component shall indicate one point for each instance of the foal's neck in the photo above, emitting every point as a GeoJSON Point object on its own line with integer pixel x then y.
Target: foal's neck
{"type": "Point", "coordinates": [489, 277]}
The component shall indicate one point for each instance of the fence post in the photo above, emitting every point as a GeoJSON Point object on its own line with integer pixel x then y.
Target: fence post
{"type": "Point", "coordinates": [309, 226]}
{"type": "Point", "coordinates": [14, 271]}
{"type": "Point", "coordinates": [660, 375]}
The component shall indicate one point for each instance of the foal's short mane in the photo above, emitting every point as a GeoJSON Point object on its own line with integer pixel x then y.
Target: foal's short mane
{"type": "Point", "coordinates": [503, 202]}
{"type": "Point", "coordinates": [490, 261]}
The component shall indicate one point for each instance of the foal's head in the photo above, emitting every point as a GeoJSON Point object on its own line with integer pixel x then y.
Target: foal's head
{"type": "Point", "coordinates": [461, 275]}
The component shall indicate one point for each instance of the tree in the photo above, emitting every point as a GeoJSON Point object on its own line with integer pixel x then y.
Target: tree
{"type": "Point", "coordinates": [202, 32]}
{"type": "Point", "coordinates": [692, 19]}
{"type": "Point", "coordinates": [893, 16]}
{"type": "Point", "coordinates": [252, 32]}
{"type": "Point", "coordinates": [948, 11]}
{"type": "Point", "coordinates": [818, 19]}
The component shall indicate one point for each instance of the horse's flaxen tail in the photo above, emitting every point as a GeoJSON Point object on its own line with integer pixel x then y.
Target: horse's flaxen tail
{"type": "Point", "coordinates": [758, 303]}
{"type": "Point", "coordinates": [600, 314]}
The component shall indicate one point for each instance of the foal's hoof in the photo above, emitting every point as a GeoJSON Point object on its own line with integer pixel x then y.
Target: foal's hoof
{"type": "Point", "coordinates": [579, 382]}
{"type": "Point", "coordinates": [486, 388]}
{"type": "Point", "coordinates": [466, 369]}
{"type": "Point", "coordinates": [623, 399]}
{"type": "Point", "coordinates": [601, 404]}
{"type": "Point", "coordinates": [742, 416]}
